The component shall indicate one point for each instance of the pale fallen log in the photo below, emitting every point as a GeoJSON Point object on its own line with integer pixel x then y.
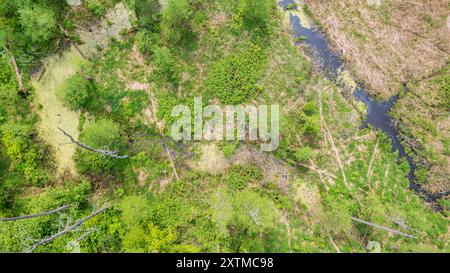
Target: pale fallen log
{"type": "Point", "coordinates": [18, 75]}
{"type": "Point", "coordinates": [114, 154]}
{"type": "Point", "coordinates": [316, 170]}
{"type": "Point", "coordinates": [383, 228]}
{"type": "Point", "coordinates": [35, 215]}
{"type": "Point", "coordinates": [400, 224]}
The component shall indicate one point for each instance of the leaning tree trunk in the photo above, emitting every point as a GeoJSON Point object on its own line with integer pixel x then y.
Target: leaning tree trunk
{"type": "Point", "coordinates": [18, 76]}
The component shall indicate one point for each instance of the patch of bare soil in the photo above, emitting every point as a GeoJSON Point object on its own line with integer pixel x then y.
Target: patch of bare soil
{"type": "Point", "coordinates": [387, 44]}
{"type": "Point", "coordinates": [212, 160]}
{"type": "Point", "coordinates": [273, 169]}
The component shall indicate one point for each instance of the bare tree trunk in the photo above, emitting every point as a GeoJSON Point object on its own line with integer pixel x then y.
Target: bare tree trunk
{"type": "Point", "coordinates": [383, 228]}
{"type": "Point", "coordinates": [161, 132]}
{"type": "Point", "coordinates": [18, 75]}
{"type": "Point", "coordinates": [113, 154]}
{"type": "Point", "coordinates": [35, 215]}
{"type": "Point", "coordinates": [64, 231]}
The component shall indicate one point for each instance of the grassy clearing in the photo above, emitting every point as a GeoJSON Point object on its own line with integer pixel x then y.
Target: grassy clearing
{"type": "Point", "coordinates": [52, 111]}
{"type": "Point", "coordinates": [423, 117]}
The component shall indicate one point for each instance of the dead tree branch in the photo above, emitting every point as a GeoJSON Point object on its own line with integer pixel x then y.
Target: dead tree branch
{"type": "Point", "coordinates": [64, 231]}
{"type": "Point", "coordinates": [83, 236]}
{"type": "Point", "coordinates": [161, 132]}
{"type": "Point", "coordinates": [316, 170]}
{"type": "Point", "coordinates": [67, 35]}
{"type": "Point", "coordinates": [400, 223]}
{"type": "Point", "coordinates": [383, 228]}
{"type": "Point", "coordinates": [35, 215]}
{"type": "Point", "coordinates": [113, 154]}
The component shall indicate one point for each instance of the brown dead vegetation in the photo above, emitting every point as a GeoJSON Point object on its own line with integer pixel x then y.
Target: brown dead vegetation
{"type": "Point", "coordinates": [389, 44]}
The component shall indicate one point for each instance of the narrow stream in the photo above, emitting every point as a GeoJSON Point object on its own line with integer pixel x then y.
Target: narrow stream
{"type": "Point", "coordinates": [377, 112]}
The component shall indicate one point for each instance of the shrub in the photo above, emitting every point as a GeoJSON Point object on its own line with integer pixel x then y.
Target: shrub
{"type": "Point", "coordinates": [102, 134]}
{"type": "Point", "coordinates": [165, 64]}
{"type": "Point", "coordinates": [233, 79]}
{"type": "Point", "coordinates": [310, 119]}
{"type": "Point", "coordinates": [229, 148]}
{"type": "Point", "coordinates": [311, 125]}
{"type": "Point", "coordinates": [96, 6]}
{"type": "Point", "coordinates": [24, 154]}
{"type": "Point", "coordinates": [256, 12]}
{"type": "Point", "coordinates": [148, 13]}
{"type": "Point", "coordinates": [176, 21]}
{"type": "Point", "coordinates": [78, 92]}
{"type": "Point", "coordinates": [304, 154]}
{"type": "Point", "coordinates": [146, 41]}
{"type": "Point", "coordinates": [240, 176]}
{"type": "Point", "coordinates": [38, 22]}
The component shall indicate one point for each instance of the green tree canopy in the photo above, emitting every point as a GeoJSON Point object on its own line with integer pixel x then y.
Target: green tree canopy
{"type": "Point", "coordinates": [38, 22]}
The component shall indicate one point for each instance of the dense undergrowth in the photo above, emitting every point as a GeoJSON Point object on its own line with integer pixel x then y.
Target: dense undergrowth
{"type": "Point", "coordinates": [300, 198]}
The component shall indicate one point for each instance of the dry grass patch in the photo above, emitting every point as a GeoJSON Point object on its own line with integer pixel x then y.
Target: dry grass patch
{"type": "Point", "coordinates": [212, 160]}
{"type": "Point", "coordinates": [388, 45]}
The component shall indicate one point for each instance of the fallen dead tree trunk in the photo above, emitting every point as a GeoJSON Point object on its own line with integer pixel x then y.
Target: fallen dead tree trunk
{"type": "Point", "coordinates": [383, 228]}
{"type": "Point", "coordinates": [18, 75]}
{"type": "Point", "coordinates": [64, 231]}
{"type": "Point", "coordinates": [67, 35]}
{"type": "Point", "coordinates": [114, 154]}
{"type": "Point", "coordinates": [35, 215]}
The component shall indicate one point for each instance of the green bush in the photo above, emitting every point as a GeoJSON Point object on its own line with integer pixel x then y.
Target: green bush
{"type": "Point", "coordinates": [229, 148]}
{"type": "Point", "coordinates": [25, 155]}
{"type": "Point", "coordinates": [102, 134]}
{"type": "Point", "coordinates": [239, 176]}
{"type": "Point", "coordinates": [256, 12]}
{"type": "Point", "coordinates": [78, 92]}
{"type": "Point", "coordinates": [146, 41]}
{"type": "Point", "coordinates": [165, 64]}
{"type": "Point", "coordinates": [38, 22]}
{"type": "Point", "coordinates": [234, 78]}
{"type": "Point", "coordinates": [176, 22]}
{"type": "Point", "coordinates": [148, 13]}
{"type": "Point", "coordinates": [304, 154]}
{"type": "Point", "coordinates": [310, 119]}
{"type": "Point", "coordinates": [98, 7]}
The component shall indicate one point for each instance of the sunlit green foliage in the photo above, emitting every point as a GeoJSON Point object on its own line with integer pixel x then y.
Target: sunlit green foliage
{"type": "Point", "coordinates": [234, 78]}
{"type": "Point", "coordinates": [102, 134]}
{"type": "Point", "coordinates": [239, 176]}
{"type": "Point", "coordinates": [176, 22]}
{"type": "Point", "coordinates": [79, 92]}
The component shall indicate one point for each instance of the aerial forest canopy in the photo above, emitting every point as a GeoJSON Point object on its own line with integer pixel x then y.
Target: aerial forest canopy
{"type": "Point", "coordinates": [88, 162]}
